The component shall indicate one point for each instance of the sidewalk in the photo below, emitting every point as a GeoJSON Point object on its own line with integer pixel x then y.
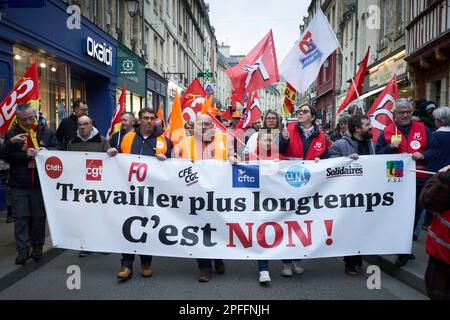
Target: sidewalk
{"type": "Point", "coordinates": [9, 271]}
{"type": "Point", "coordinates": [413, 274]}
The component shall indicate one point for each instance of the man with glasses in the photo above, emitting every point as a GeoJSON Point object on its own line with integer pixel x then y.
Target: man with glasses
{"type": "Point", "coordinates": [27, 202]}
{"type": "Point", "coordinates": [413, 137]}
{"type": "Point", "coordinates": [146, 140]}
{"type": "Point", "coordinates": [67, 129]}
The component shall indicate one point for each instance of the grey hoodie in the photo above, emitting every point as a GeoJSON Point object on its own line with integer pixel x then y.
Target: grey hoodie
{"type": "Point", "coordinates": [345, 147]}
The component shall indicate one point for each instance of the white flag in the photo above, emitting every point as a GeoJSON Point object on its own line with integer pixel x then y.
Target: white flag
{"type": "Point", "coordinates": [302, 64]}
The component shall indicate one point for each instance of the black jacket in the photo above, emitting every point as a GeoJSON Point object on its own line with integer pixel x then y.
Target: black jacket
{"type": "Point", "coordinates": [114, 140]}
{"type": "Point", "coordinates": [8, 147]}
{"type": "Point", "coordinates": [20, 176]}
{"type": "Point", "coordinates": [67, 130]}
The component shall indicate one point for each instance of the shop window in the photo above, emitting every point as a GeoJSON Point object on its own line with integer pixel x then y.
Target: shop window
{"type": "Point", "coordinates": [53, 76]}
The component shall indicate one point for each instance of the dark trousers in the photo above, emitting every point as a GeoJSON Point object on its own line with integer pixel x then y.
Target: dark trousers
{"type": "Point", "coordinates": [206, 264]}
{"type": "Point", "coordinates": [29, 217]}
{"type": "Point", "coordinates": [437, 279]}
{"type": "Point", "coordinates": [263, 265]}
{"type": "Point", "coordinates": [291, 260]}
{"type": "Point", "coordinates": [128, 259]}
{"type": "Point", "coordinates": [353, 261]}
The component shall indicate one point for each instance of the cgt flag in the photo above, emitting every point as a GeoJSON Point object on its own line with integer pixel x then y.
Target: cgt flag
{"type": "Point", "coordinates": [256, 71]}
{"type": "Point", "coordinates": [116, 122]}
{"type": "Point", "coordinates": [251, 114]}
{"type": "Point", "coordinates": [302, 64]}
{"type": "Point", "coordinates": [380, 112]}
{"type": "Point", "coordinates": [25, 91]}
{"type": "Point", "coordinates": [192, 100]}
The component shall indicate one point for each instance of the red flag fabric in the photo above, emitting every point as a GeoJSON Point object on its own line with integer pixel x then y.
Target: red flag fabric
{"type": "Point", "coordinates": [359, 82]}
{"type": "Point", "coordinates": [26, 90]}
{"type": "Point", "coordinates": [227, 114]}
{"type": "Point", "coordinates": [251, 114]}
{"type": "Point", "coordinates": [380, 112]}
{"type": "Point", "coordinates": [116, 122]}
{"type": "Point", "coordinates": [257, 70]}
{"type": "Point", "coordinates": [192, 100]}
{"type": "Point", "coordinates": [290, 96]}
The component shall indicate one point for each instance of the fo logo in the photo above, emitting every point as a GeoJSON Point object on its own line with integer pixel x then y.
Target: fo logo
{"type": "Point", "coordinates": [297, 176]}
{"type": "Point", "coordinates": [53, 167]}
{"type": "Point", "coordinates": [394, 169]}
{"type": "Point", "coordinates": [94, 170]}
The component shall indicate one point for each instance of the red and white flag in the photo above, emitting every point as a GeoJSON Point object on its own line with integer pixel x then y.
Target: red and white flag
{"type": "Point", "coordinates": [116, 123]}
{"type": "Point", "coordinates": [358, 81]}
{"type": "Point", "coordinates": [193, 100]}
{"type": "Point", "coordinates": [381, 111]}
{"type": "Point", "coordinates": [26, 90]}
{"type": "Point", "coordinates": [251, 114]}
{"type": "Point", "coordinates": [257, 70]}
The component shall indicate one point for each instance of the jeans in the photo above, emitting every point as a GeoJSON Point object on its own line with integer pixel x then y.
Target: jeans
{"type": "Point", "coordinates": [206, 264]}
{"type": "Point", "coordinates": [128, 259]}
{"type": "Point", "coordinates": [263, 265]}
{"type": "Point", "coordinates": [353, 261]}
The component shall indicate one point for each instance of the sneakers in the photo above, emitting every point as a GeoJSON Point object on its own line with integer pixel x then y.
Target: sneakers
{"type": "Point", "coordinates": [297, 269]}
{"type": "Point", "coordinates": [287, 270]}
{"type": "Point", "coordinates": [264, 277]}
{"type": "Point", "coordinates": [205, 276]}
{"type": "Point", "coordinates": [22, 257]}
{"type": "Point", "coordinates": [219, 266]}
{"type": "Point", "coordinates": [351, 271]}
{"type": "Point", "coordinates": [83, 254]}
{"type": "Point", "coordinates": [36, 253]}
{"type": "Point", "coordinates": [125, 273]}
{"type": "Point", "coordinates": [146, 270]}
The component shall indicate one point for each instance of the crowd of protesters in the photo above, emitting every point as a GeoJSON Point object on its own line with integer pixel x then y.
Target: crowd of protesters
{"type": "Point", "coordinates": [268, 139]}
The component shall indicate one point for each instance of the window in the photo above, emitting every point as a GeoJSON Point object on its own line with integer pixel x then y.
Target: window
{"type": "Point", "coordinates": [53, 78]}
{"type": "Point", "coordinates": [118, 13]}
{"type": "Point", "coordinates": [95, 9]}
{"type": "Point", "coordinates": [384, 27]}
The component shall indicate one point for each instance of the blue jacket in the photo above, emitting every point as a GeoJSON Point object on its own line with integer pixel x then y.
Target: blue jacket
{"type": "Point", "coordinates": [441, 156]}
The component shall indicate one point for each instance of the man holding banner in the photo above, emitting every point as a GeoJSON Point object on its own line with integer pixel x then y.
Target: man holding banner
{"type": "Point", "coordinates": [27, 202]}
{"type": "Point", "coordinates": [408, 136]}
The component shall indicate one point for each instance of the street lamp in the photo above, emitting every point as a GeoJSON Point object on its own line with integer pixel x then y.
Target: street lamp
{"type": "Point", "coordinates": [132, 6]}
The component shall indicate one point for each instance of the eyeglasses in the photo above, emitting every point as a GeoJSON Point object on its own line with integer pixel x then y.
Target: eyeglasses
{"type": "Point", "coordinates": [84, 125]}
{"type": "Point", "coordinates": [304, 111]}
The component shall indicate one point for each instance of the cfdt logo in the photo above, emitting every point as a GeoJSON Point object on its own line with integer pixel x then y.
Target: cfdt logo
{"type": "Point", "coordinates": [245, 176]}
{"type": "Point", "coordinates": [297, 176]}
{"type": "Point", "coordinates": [188, 176]}
{"type": "Point", "coordinates": [94, 170]}
{"type": "Point", "coordinates": [394, 171]}
{"type": "Point", "coordinates": [53, 167]}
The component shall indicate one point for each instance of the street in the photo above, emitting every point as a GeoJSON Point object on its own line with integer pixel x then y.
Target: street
{"type": "Point", "coordinates": [174, 278]}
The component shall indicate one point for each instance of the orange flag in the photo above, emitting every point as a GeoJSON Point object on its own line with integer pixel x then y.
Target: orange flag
{"type": "Point", "coordinates": [176, 124]}
{"type": "Point", "coordinates": [207, 106]}
{"type": "Point", "coordinates": [160, 115]}
{"type": "Point", "coordinates": [116, 123]}
{"type": "Point", "coordinates": [25, 91]}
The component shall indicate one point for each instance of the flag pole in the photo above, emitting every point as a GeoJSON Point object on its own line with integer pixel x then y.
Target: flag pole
{"type": "Point", "coordinates": [345, 62]}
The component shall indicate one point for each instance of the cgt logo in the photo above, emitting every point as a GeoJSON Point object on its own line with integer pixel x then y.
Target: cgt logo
{"type": "Point", "coordinates": [94, 170]}
{"type": "Point", "coordinates": [245, 176]}
{"type": "Point", "coordinates": [53, 167]}
{"type": "Point", "coordinates": [395, 171]}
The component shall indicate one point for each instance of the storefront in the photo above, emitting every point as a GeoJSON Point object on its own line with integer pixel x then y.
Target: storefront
{"type": "Point", "coordinates": [380, 74]}
{"type": "Point", "coordinates": [156, 91]}
{"type": "Point", "coordinates": [131, 73]}
{"type": "Point", "coordinates": [73, 63]}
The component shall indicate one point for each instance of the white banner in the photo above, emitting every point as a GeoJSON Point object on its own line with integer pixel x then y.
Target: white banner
{"type": "Point", "coordinates": [302, 64]}
{"type": "Point", "coordinates": [212, 209]}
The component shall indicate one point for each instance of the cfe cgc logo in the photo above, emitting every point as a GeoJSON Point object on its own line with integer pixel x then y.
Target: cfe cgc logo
{"type": "Point", "coordinates": [245, 176]}
{"type": "Point", "coordinates": [189, 176]}
{"type": "Point", "coordinates": [94, 170]}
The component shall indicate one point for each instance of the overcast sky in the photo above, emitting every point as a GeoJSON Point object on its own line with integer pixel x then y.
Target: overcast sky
{"type": "Point", "coordinates": [242, 23]}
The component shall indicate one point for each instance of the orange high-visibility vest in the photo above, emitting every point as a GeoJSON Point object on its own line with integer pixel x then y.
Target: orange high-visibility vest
{"type": "Point", "coordinates": [127, 142]}
{"type": "Point", "coordinates": [189, 151]}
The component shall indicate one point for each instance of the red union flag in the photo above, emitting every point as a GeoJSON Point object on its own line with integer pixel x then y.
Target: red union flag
{"type": "Point", "coordinates": [257, 70]}
{"type": "Point", "coordinates": [25, 91]}
{"type": "Point", "coordinates": [116, 122]}
{"type": "Point", "coordinates": [192, 100]}
{"type": "Point", "coordinates": [381, 111]}
{"type": "Point", "coordinates": [251, 114]}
